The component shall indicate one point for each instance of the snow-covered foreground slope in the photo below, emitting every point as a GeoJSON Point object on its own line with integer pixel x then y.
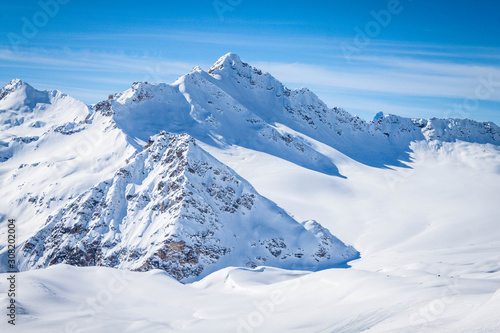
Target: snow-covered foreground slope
{"type": "Point", "coordinates": [98, 299]}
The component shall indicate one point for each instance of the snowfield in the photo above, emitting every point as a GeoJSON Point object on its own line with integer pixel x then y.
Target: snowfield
{"type": "Point", "coordinates": [418, 199]}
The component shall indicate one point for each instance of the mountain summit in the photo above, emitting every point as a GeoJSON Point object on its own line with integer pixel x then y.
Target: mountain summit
{"type": "Point", "coordinates": [20, 96]}
{"type": "Point", "coordinates": [229, 60]}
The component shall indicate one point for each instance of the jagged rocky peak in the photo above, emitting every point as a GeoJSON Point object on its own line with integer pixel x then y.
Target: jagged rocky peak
{"type": "Point", "coordinates": [229, 60]}
{"type": "Point", "coordinates": [25, 108]}
{"type": "Point", "coordinates": [175, 207]}
{"type": "Point", "coordinates": [17, 92]}
{"type": "Point", "coordinates": [138, 92]}
{"type": "Point", "coordinates": [11, 86]}
{"type": "Point", "coordinates": [16, 85]}
{"type": "Point", "coordinates": [230, 66]}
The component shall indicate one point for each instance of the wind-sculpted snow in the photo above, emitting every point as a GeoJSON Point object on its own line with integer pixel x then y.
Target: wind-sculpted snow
{"type": "Point", "coordinates": [176, 208]}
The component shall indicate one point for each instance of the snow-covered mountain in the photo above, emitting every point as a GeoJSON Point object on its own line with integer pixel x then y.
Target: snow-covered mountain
{"type": "Point", "coordinates": [176, 208]}
{"type": "Point", "coordinates": [56, 149]}
{"type": "Point", "coordinates": [234, 103]}
{"type": "Point", "coordinates": [26, 114]}
{"type": "Point", "coordinates": [53, 149]}
{"type": "Point", "coordinates": [132, 182]}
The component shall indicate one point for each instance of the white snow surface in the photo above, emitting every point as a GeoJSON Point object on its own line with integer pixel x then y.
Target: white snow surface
{"type": "Point", "coordinates": [417, 198]}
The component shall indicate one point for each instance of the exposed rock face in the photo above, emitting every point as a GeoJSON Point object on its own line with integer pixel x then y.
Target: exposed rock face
{"type": "Point", "coordinates": [176, 208]}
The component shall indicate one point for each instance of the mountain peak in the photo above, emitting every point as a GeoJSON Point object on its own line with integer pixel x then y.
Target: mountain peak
{"type": "Point", "coordinates": [15, 82]}
{"type": "Point", "coordinates": [17, 95]}
{"type": "Point", "coordinates": [231, 56]}
{"type": "Point", "coordinates": [229, 60]}
{"type": "Point", "coordinates": [175, 207]}
{"type": "Point", "coordinates": [12, 86]}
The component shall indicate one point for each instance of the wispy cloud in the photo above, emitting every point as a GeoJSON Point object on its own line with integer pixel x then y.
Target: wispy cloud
{"type": "Point", "coordinates": [95, 61]}
{"type": "Point", "coordinates": [391, 76]}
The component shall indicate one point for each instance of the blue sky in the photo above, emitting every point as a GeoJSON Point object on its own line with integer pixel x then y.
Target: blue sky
{"type": "Point", "coordinates": [411, 58]}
